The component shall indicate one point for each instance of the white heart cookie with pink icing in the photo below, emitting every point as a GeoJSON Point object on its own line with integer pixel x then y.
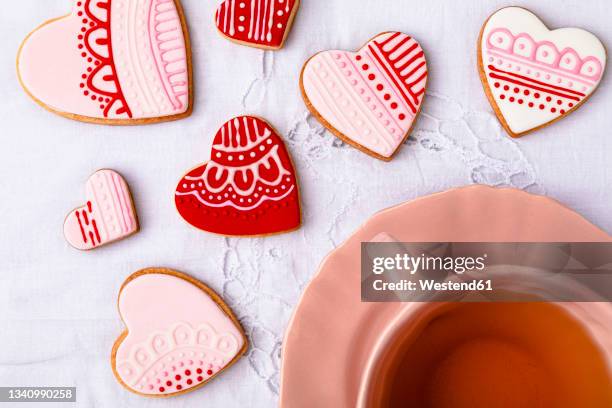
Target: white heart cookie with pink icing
{"type": "Point", "coordinates": [369, 98]}
{"type": "Point", "coordinates": [108, 214]}
{"type": "Point", "coordinates": [179, 334]}
{"type": "Point", "coordinates": [534, 76]}
{"type": "Point", "coordinates": [111, 62]}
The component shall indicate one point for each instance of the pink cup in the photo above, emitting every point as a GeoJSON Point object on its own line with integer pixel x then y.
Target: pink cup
{"type": "Point", "coordinates": [337, 348]}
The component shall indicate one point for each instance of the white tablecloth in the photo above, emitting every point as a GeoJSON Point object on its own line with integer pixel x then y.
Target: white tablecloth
{"type": "Point", "coordinates": [58, 306]}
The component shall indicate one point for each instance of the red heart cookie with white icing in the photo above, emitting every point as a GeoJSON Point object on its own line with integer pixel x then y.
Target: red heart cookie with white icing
{"type": "Point", "coordinates": [534, 76]}
{"type": "Point", "coordinates": [179, 334]}
{"type": "Point", "coordinates": [256, 23]}
{"type": "Point", "coordinates": [107, 216]}
{"type": "Point", "coordinates": [111, 62]}
{"type": "Point", "coordinates": [370, 98]}
{"type": "Point", "coordinates": [248, 188]}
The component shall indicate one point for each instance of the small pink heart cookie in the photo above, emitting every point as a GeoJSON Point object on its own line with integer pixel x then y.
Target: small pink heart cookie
{"type": "Point", "coordinates": [111, 62]}
{"type": "Point", "coordinates": [534, 76]}
{"type": "Point", "coordinates": [369, 98]}
{"type": "Point", "coordinates": [107, 216]}
{"type": "Point", "coordinates": [179, 334]}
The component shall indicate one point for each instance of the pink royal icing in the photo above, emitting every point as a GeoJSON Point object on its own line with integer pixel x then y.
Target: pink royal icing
{"type": "Point", "coordinates": [371, 97]}
{"type": "Point", "coordinates": [107, 216]}
{"type": "Point", "coordinates": [536, 75]}
{"type": "Point", "coordinates": [544, 53]}
{"type": "Point", "coordinates": [177, 338]}
{"type": "Point", "coordinates": [110, 59]}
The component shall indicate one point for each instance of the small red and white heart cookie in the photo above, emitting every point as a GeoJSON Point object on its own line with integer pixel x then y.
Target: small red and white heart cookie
{"type": "Point", "coordinates": [107, 216]}
{"type": "Point", "coordinates": [257, 23]}
{"type": "Point", "coordinates": [534, 76]}
{"type": "Point", "coordinates": [179, 334]}
{"type": "Point", "coordinates": [116, 62]}
{"type": "Point", "coordinates": [369, 98]}
{"type": "Point", "coordinates": [248, 188]}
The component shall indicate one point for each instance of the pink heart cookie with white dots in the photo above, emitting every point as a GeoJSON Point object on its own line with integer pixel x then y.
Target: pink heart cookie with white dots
{"type": "Point", "coordinates": [108, 214]}
{"type": "Point", "coordinates": [118, 62]}
{"type": "Point", "coordinates": [370, 98]}
{"type": "Point", "coordinates": [534, 76]}
{"type": "Point", "coordinates": [179, 334]}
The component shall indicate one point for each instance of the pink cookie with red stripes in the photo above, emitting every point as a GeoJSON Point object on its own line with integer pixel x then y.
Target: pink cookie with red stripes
{"type": "Point", "coordinates": [256, 23]}
{"type": "Point", "coordinates": [179, 334]}
{"type": "Point", "coordinates": [370, 98]}
{"type": "Point", "coordinates": [107, 216]}
{"type": "Point", "coordinates": [534, 76]}
{"type": "Point", "coordinates": [118, 62]}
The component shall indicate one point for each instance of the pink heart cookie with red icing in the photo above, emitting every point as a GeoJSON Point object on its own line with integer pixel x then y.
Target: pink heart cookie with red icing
{"type": "Point", "coordinates": [111, 62]}
{"type": "Point", "coordinates": [248, 188]}
{"type": "Point", "coordinates": [369, 98]}
{"type": "Point", "coordinates": [256, 23]}
{"type": "Point", "coordinates": [534, 76]}
{"type": "Point", "coordinates": [107, 216]}
{"type": "Point", "coordinates": [179, 334]}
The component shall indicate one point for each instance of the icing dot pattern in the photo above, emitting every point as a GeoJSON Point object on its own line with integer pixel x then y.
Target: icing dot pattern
{"type": "Point", "coordinates": [133, 60]}
{"type": "Point", "coordinates": [258, 22]}
{"type": "Point", "coordinates": [179, 376]}
{"type": "Point", "coordinates": [249, 187]}
{"type": "Point", "coordinates": [547, 95]}
{"type": "Point", "coordinates": [371, 96]}
{"type": "Point", "coordinates": [100, 83]}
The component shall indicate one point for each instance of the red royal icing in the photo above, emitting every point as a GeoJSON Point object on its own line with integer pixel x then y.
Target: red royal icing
{"type": "Point", "coordinates": [249, 186]}
{"type": "Point", "coordinates": [257, 22]}
{"type": "Point", "coordinates": [99, 79]}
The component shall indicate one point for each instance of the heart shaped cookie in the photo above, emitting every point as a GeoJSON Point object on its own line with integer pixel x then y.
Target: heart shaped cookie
{"type": "Point", "coordinates": [111, 62]}
{"type": "Point", "coordinates": [107, 216]}
{"type": "Point", "coordinates": [534, 76]}
{"type": "Point", "coordinates": [370, 98]}
{"type": "Point", "coordinates": [179, 334]}
{"type": "Point", "coordinates": [256, 23]}
{"type": "Point", "coordinates": [248, 188]}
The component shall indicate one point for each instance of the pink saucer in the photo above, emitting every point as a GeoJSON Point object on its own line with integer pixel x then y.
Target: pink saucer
{"type": "Point", "coordinates": [332, 334]}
